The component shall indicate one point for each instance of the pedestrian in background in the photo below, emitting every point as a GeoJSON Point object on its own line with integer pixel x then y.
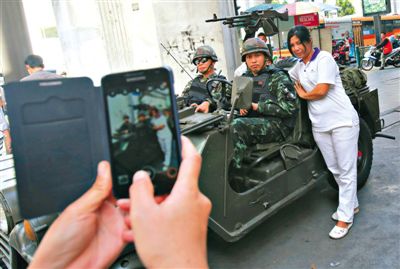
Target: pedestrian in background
{"type": "Point", "coordinates": [35, 67]}
{"type": "Point", "coordinates": [335, 122]}
{"type": "Point", "coordinates": [5, 138]}
{"type": "Point", "coordinates": [386, 47]}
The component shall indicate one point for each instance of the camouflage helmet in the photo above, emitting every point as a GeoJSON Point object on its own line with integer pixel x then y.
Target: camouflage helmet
{"type": "Point", "coordinates": [205, 52]}
{"type": "Point", "coordinates": [252, 45]}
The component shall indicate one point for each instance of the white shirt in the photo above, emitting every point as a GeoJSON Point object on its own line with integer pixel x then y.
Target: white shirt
{"type": "Point", "coordinates": [333, 110]}
{"type": "Point", "coordinates": [164, 132]}
{"type": "Point", "coordinates": [240, 70]}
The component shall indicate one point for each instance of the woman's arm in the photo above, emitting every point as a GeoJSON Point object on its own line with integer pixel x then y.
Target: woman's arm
{"type": "Point", "coordinates": [319, 92]}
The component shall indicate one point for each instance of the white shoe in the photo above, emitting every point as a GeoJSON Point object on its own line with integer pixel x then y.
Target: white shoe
{"type": "Point", "coordinates": [335, 216]}
{"type": "Point", "coordinates": [339, 232]}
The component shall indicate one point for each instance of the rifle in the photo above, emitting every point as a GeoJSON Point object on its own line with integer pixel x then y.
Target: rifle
{"type": "Point", "coordinates": [253, 21]}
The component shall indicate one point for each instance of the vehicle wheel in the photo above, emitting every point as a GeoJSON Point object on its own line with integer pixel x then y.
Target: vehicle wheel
{"type": "Point", "coordinates": [396, 61]}
{"type": "Point", "coordinates": [366, 65]}
{"type": "Point", "coordinates": [364, 157]}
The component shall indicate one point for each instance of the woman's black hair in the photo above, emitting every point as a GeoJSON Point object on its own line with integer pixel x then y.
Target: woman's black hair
{"type": "Point", "coordinates": [301, 32]}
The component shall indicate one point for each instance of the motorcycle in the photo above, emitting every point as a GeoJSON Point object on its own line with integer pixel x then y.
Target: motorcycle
{"type": "Point", "coordinates": [339, 52]}
{"type": "Point", "coordinates": [373, 58]}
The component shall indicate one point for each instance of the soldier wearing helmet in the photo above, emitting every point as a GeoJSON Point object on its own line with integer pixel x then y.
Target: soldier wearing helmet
{"type": "Point", "coordinates": [271, 116]}
{"type": "Point", "coordinates": [196, 93]}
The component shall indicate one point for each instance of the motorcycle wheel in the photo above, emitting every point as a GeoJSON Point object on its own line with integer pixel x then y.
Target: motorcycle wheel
{"type": "Point", "coordinates": [364, 157]}
{"type": "Point", "coordinates": [396, 60]}
{"type": "Point", "coordinates": [366, 65]}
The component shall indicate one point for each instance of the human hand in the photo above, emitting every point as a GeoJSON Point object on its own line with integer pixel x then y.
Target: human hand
{"type": "Point", "coordinates": [170, 232]}
{"type": "Point", "coordinates": [88, 233]}
{"type": "Point", "coordinates": [194, 105]}
{"type": "Point", "coordinates": [299, 89]}
{"type": "Point", "coordinates": [243, 112]}
{"type": "Point", "coordinates": [203, 107]}
{"type": "Point", "coordinates": [254, 106]}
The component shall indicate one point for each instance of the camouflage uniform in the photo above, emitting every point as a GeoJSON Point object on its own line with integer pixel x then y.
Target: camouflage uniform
{"type": "Point", "coordinates": [196, 91]}
{"type": "Point", "coordinates": [274, 120]}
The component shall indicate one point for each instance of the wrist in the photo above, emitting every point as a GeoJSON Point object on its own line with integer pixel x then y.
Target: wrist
{"type": "Point", "coordinates": [192, 260]}
{"type": "Point", "coordinates": [180, 255]}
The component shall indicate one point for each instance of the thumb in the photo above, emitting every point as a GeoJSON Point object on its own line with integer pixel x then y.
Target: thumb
{"type": "Point", "coordinates": [141, 193]}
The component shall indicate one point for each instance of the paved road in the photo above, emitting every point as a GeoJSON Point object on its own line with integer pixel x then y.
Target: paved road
{"type": "Point", "coordinates": [297, 237]}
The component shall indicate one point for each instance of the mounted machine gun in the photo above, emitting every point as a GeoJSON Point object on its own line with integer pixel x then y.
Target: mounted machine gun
{"type": "Point", "coordinates": [251, 22]}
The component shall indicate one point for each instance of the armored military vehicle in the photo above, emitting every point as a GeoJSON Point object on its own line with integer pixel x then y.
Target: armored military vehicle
{"type": "Point", "coordinates": [273, 175]}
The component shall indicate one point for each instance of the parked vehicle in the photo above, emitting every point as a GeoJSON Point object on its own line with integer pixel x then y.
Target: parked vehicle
{"type": "Point", "coordinates": [372, 57]}
{"type": "Point", "coordinates": [274, 174]}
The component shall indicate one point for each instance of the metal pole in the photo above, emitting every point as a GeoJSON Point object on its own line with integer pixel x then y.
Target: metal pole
{"type": "Point", "coordinates": [279, 38]}
{"type": "Point", "coordinates": [15, 43]}
{"type": "Point", "coordinates": [235, 7]}
{"type": "Point", "coordinates": [377, 28]}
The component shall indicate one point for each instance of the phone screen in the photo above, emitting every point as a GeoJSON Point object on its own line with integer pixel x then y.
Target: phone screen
{"type": "Point", "coordinates": [143, 129]}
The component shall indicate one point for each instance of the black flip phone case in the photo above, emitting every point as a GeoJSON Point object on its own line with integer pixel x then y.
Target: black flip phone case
{"type": "Point", "coordinates": [59, 135]}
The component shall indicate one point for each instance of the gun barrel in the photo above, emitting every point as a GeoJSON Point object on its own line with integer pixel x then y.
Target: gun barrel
{"type": "Point", "coordinates": [218, 19]}
{"type": "Point", "coordinates": [229, 18]}
{"type": "Point", "coordinates": [235, 22]}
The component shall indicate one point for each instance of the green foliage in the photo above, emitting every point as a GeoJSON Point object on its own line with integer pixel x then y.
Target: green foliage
{"type": "Point", "coordinates": [346, 8]}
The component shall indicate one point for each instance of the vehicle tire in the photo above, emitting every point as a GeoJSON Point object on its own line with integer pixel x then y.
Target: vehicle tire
{"type": "Point", "coordinates": [364, 157]}
{"type": "Point", "coordinates": [366, 65]}
{"type": "Point", "coordinates": [396, 60]}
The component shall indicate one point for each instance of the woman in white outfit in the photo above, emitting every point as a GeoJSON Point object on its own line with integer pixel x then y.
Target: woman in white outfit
{"type": "Point", "coordinates": [335, 122]}
{"type": "Point", "coordinates": [164, 135]}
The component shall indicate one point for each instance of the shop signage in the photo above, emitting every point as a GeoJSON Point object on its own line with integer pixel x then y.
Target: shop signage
{"type": "Point", "coordinates": [310, 19]}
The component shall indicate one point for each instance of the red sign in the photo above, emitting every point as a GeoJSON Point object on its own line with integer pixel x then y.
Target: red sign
{"type": "Point", "coordinates": [311, 19]}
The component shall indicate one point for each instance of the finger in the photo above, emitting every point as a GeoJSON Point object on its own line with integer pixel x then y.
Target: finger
{"type": "Point", "coordinates": [98, 193]}
{"type": "Point", "coordinates": [124, 204]}
{"type": "Point", "coordinates": [141, 193]}
{"type": "Point", "coordinates": [160, 199]}
{"type": "Point", "coordinates": [189, 169]}
{"type": "Point", "coordinates": [128, 222]}
{"type": "Point", "coordinates": [127, 236]}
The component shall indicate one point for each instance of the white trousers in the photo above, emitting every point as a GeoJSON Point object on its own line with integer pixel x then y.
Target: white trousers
{"type": "Point", "coordinates": [166, 147]}
{"type": "Point", "coordinates": [339, 147]}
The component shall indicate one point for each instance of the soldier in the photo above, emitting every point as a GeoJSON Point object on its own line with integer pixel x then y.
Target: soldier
{"type": "Point", "coordinates": [271, 116]}
{"type": "Point", "coordinates": [196, 93]}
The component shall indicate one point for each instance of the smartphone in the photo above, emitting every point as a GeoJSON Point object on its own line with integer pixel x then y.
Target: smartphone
{"type": "Point", "coordinates": [143, 128]}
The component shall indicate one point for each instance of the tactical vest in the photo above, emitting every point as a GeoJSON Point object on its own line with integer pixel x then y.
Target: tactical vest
{"type": "Point", "coordinates": [261, 92]}
{"type": "Point", "coordinates": [197, 93]}
{"type": "Point", "coordinates": [260, 88]}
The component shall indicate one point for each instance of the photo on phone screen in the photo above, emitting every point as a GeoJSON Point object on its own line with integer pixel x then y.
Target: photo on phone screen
{"type": "Point", "coordinates": [143, 129]}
